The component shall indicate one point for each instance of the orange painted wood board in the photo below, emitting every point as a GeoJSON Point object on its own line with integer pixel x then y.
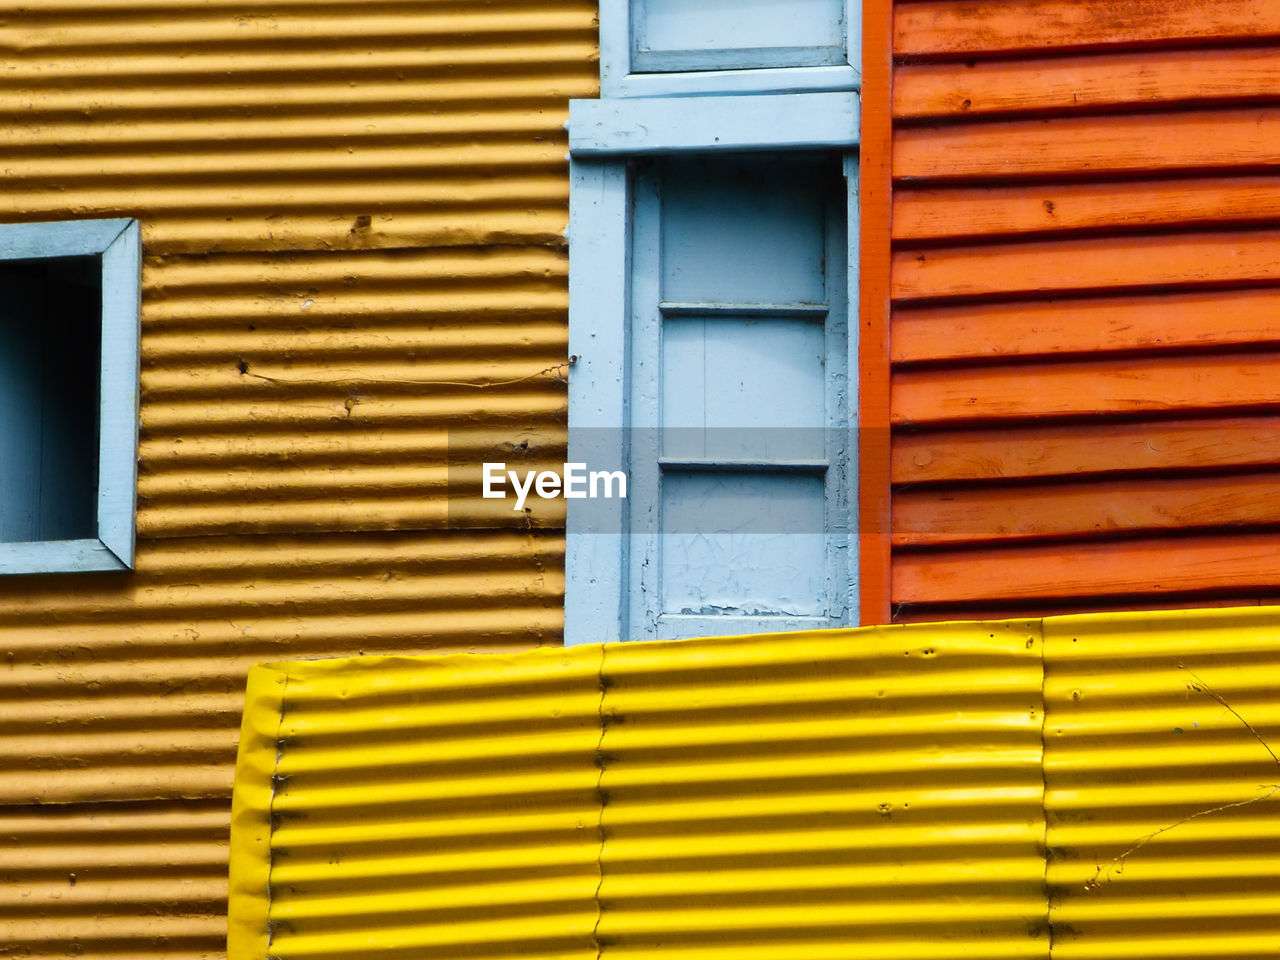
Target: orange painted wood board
{"type": "Point", "coordinates": [875, 217]}
{"type": "Point", "coordinates": [1087, 388]}
{"type": "Point", "coordinates": [1086, 82]}
{"type": "Point", "coordinates": [1118, 263]}
{"type": "Point", "coordinates": [1084, 509]}
{"type": "Point", "coordinates": [1237, 138]}
{"type": "Point", "coordinates": [1085, 326]}
{"type": "Point", "coordinates": [1237, 563]}
{"type": "Point", "coordinates": [1040, 450]}
{"type": "Point", "coordinates": [932, 613]}
{"type": "Point", "coordinates": [964, 28]}
{"type": "Point", "coordinates": [969, 212]}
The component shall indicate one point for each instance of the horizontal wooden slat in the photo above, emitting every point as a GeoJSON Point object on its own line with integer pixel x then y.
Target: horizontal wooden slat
{"type": "Point", "coordinates": [906, 613]}
{"type": "Point", "coordinates": [1083, 508]}
{"type": "Point", "coordinates": [1087, 389]}
{"type": "Point", "coordinates": [1095, 145]}
{"type": "Point", "coordinates": [1094, 264]}
{"type": "Point", "coordinates": [1053, 451]}
{"type": "Point", "coordinates": [945, 213]}
{"type": "Point", "coordinates": [969, 27]}
{"type": "Point", "coordinates": [1150, 566]}
{"type": "Point", "coordinates": [1085, 82]}
{"type": "Point", "coordinates": [1083, 326]}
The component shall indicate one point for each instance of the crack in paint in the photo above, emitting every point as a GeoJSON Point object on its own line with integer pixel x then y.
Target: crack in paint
{"type": "Point", "coordinates": [600, 801]}
{"type": "Point", "coordinates": [1116, 865]}
{"type": "Point", "coordinates": [559, 369]}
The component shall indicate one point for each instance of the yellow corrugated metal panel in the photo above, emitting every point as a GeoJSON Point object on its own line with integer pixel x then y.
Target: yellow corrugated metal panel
{"type": "Point", "coordinates": [332, 391]}
{"type": "Point", "coordinates": [869, 792]}
{"type": "Point", "coordinates": [131, 687]}
{"type": "Point", "coordinates": [872, 791]}
{"type": "Point", "coordinates": [1161, 773]}
{"type": "Point", "coordinates": [446, 805]}
{"type": "Point", "coordinates": [355, 271]}
{"type": "Point", "coordinates": [99, 883]}
{"type": "Point", "coordinates": [293, 126]}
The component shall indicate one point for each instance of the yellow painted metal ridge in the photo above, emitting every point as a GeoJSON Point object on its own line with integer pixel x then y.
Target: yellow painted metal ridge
{"type": "Point", "coordinates": [248, 930]}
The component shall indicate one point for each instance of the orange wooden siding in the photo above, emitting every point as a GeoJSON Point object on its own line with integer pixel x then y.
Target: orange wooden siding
{"type": "Point", "coordinates": [1084, 331]}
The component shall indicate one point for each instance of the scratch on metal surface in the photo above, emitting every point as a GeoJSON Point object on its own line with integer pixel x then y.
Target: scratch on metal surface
{"type": "Point", "coordinates": [1205, 688]}
{"type": "Point", "coordinates": [345, 383]}
{"type": "Point", "coordinates": [1115, 867]}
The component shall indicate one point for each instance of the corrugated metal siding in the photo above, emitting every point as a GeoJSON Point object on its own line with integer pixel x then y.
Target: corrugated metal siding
{"type": "Point", "coordinates": [353, 219]}
{"type": "Point", "coordinates": [876, 791]}
{"type": "Point", "coordinates": [1078, 787]}
{"type": "Point", "coordinates": [114, 880]}
{"type": "Point", "coordinates": [1162, 785]}
{"type": "Point", "coordinates": [1084, 334]}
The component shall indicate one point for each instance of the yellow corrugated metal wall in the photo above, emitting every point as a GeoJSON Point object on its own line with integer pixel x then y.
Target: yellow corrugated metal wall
{"type": "Point", "coordinates": [1076, 787]}
{"type": "Point", "coordinates": [353, 219]}
{"type": "Point", "coordinates": [873, 793]}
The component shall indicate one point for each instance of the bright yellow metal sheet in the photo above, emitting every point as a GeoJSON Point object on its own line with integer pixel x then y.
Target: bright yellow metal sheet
{"type": "Point", "coordinates": [952, 790]}
{"type": "Point", "coordinates": [871, 793]}
{"type": "Point", "coordinates": [1163, 784]}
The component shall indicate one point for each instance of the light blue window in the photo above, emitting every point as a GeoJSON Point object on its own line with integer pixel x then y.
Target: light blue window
{"type": "Point", "coordinates": [69, 329]}
{"type": "Point", "coordinates": [712, 274]}
{"type": "Point", "coordinates": [739, 396]}
{"type": "Point", "coordinates": [671, 35]}
{"type": "Point", "coordinates": [664, 47]}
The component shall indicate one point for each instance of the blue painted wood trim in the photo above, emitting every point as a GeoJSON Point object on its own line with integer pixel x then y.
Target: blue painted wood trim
{"type": "Point", "coordinates": [118, 424]}
{"type": "Point", "coordinates": [58, 556]}
{"type": "Point", "coordinates": [664, 125]}
{"type": "Point", "coordinates": [73, 238]}
{"type": "Point", "coordinates": [724, 82]}
{"type": "Point", "coordinates": [118, 242]}
{"type": "Point", "coordinates": [852, 288]}
{"type": "Point", "coordinates": [615, 46]}
{"type": "Point", "coordinates": [853, 39]}
{"type": "Point", "coordinates": [599, 264]}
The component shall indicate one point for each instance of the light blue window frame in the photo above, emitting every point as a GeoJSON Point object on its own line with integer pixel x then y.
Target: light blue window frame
{"type": "Point", "coordinates": [604, 135]}
{"type": "Point", "coordinates": [626, 70]}
{"type": "Point", "coordinates": [117, 243]}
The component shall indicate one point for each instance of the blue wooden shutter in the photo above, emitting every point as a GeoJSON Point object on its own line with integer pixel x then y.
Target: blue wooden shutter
{"type": "Point", "coordinates": [739, 396]}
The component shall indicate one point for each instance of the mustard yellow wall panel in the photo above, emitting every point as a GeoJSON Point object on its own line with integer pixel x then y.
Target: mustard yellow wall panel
{"type": "Point", "coordinates": [354, 277]}
{"type": "Point", "coordinates": [1163, 785]}
{"type": "Point", "coordinates": [113, 881]}
{"type": "Point", "coordinates": [438, 808]}
{"type": "Point", "coordinates": [869, 793]}
{"type": "Point", "coordinates": [291, 126]}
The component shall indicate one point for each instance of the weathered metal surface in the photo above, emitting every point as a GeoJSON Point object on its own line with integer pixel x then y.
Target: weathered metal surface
{"type": "Point", "coordinates": [1162, 784]}
{"type": "Point", "coordinates": [124, 879]}
{"type": "Point", "coordinates": [440, 805]}
{"type": "Point", "coordinates": [353, 220]}
{"type": "Point", "coordinates": [874, 792]}
{"type": "Point", "coordinates": [785, 795]}
{"type": "Point", "coordinates": [1082, 220]}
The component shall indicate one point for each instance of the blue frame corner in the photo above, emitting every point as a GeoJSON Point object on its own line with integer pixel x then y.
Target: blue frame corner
{"type": "Point", "coordinates": [118, 243]}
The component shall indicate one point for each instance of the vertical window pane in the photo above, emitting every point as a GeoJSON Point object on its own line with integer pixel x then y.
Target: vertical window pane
{"type": "Point", "coordinates": [742, 544]}
{"type": "Point", "coordinates": [746, 231]}
{"type": "Point", "coordinates": [735, 388]}
{"type": "Point", "coordinates": [726, 34]}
